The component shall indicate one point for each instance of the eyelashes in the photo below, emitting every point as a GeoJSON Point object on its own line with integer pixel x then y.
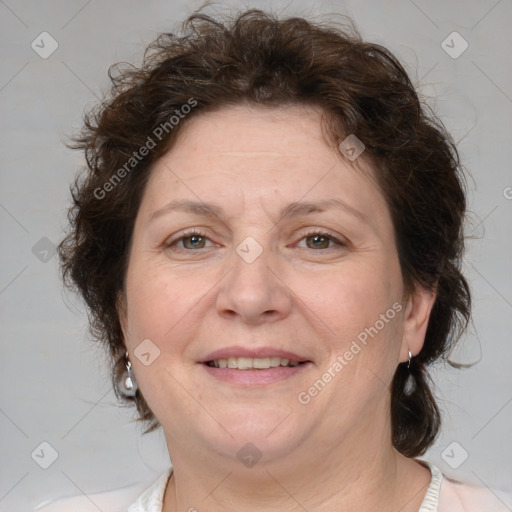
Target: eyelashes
{"type": "Point", "coordinates": [190, 235]}
{"type": "Point", "coordinates": [196, 239]}
{"type": "Point", "coordinates": [325, 236]}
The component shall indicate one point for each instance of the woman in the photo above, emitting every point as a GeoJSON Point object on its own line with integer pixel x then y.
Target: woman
{"type": "Point", "coordinates": [268, 238]}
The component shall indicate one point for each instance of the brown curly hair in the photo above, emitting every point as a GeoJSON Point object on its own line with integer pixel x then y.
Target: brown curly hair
{"type": "Point", "coordinates": [256, 57]}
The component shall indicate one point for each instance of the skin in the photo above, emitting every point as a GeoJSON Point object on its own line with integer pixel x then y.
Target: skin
{"type": "Point", "coordinates": [303, 294]}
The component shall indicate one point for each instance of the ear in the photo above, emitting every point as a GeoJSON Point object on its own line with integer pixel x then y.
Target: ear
{"type": "Point", "coordinates": [417, 314]}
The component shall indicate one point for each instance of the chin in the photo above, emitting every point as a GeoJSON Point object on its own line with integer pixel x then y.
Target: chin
{"type": "Point", "coordinates": [269, 428]}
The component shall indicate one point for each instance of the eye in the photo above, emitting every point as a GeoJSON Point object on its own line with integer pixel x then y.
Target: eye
{"type": "Point", "coordinates": [191, 240]}
{"type": "Point", "coordinates": [315, 240]}
{"type": "Point", "coordinates": [321, 240]}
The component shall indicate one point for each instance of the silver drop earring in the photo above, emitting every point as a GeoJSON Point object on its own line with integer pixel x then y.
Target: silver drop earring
{"type": "Point", "coordinates": [410, 383]}
{"type": "Point", "coordinates": [127, 383]}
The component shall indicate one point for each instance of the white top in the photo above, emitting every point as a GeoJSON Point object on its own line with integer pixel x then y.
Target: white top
{"type": "Point", "coordinates": [443, 495]}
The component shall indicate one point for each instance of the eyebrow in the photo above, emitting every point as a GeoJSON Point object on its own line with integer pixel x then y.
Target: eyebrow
{"type": "Point", "coordinates": [295, 209]}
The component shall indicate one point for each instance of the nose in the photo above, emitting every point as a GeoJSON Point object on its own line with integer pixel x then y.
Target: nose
{"type": "Point", "coordinates": [254, 292]}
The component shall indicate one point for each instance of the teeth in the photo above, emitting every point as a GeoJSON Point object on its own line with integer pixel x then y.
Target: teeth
{"type": "Point", "coordinates": [244, 363]}
{"type": "Point", "coordinates": [249, 363]}
{"type": "Point", "coordinates": [260, 363]}
{"type": "Point", "coordinates": [275, 361]}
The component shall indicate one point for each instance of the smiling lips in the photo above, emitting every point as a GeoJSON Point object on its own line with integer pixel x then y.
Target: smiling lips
{"type": "Point", "coordinates": [255, 363]}
{"type": "Point", "coordinates": [241, 358]}
{"type": "Point", "coordinates": [248, 375]}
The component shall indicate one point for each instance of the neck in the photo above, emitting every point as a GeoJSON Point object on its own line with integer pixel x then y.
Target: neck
{"type": "Point", "coordinates": [373, 477]}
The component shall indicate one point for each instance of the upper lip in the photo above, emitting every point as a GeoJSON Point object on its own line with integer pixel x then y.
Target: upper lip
{"type": "Point", "coordinates": [261, 352]}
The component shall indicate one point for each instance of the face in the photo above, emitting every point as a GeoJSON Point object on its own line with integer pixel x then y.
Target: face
{"type": "Point", "coordinates": [257, 244]}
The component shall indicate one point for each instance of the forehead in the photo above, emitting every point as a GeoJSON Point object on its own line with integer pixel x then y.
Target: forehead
{"type": "Point", "coordinates": [232, 136]}
{"type": "Point", "coordinates": [258, 152]}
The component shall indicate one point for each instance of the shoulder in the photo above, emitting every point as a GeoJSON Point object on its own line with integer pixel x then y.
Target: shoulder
{"type": "Point", "coordinates": [151, 500]}
{"type": "Point", "coordinates": [113, 501]}
{"type": "Point", "coordinates": [458, 496]}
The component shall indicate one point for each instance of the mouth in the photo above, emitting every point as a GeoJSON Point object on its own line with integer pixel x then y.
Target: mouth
{"type": "Point", "coordinates": [253, 367]}
{"type": "Point", "coordinates": [253, 363]}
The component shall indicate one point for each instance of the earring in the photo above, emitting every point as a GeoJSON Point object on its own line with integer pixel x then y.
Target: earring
{"type": "Point", "coordinates": [127, 384]}
{"type": "Point", "coordinates": [410, 383]}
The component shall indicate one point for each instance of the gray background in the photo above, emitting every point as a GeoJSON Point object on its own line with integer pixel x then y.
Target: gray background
{"type": "Point", "coordinates": [55, 386]}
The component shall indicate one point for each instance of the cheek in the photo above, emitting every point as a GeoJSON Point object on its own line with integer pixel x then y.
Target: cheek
{"type": "Point", "coordinates": [167, 304]}
{"type": "Point", "coordinates": [355, 295]}
{"type": "Point", "coordinates": [157, 301]}
{"type": "Point", "coordinates": [360, 304]}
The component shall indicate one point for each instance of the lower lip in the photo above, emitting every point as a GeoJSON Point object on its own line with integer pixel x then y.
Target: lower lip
{"type": "Point", "coordinates": [255, 377]}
